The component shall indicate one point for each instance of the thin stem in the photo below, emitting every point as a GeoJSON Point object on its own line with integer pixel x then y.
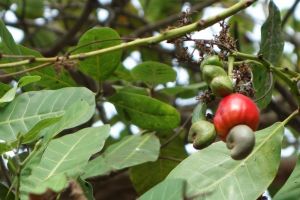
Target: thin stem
{"type": "Point", "coordinates": [179, 130]}
{"type": "Point", "coordinates": [170, 158]}
{"type": "Point", "coordinates": [170, 34]}
{"type": "Point", "coordinates": [25, 70]}
{"type": "Point", "coordinates": [230, 66]}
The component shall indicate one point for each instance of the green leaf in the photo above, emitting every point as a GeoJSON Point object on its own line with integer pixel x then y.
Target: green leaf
{"type": "Point", "coordinates": [145, 112]}
{"type": "Point", "coordinates": [9, 45]}
{"type": "Point", "coordinates": [272, 40]}
{"type": "Point", "coordinates": [158, 170]}
{"type": "Point", "coordinates": [33, 134]}
{"type": "Point", "coordinates": [66, 155]}
{"type": "Point", "coordinates": [212, 173]}
{"type": "Point", "coordinates": [31, 107]}
{"type": "Point", "coordinates": [187, 91]}
{"type": "Point", "coordinates": [171, 189]}
{"type": "Point", "coordinates": [9, 95]}
{"type": "Point", "coordinates": [25, 80]}
{"type": "Point", "coordinates": [87, 189]}
{"type": "Point", "coordinates": [131, 150]}
{"type": "Point", "coordinates": [290, 189]}
{"type": "Point", "coordinates": [99, 66]}
{"type": "Point", "coordinates": [153, 73]}
{"type": "Point", "coordinates": [96, 167]}
{"type": "Point", "coordinates": [261, 83]}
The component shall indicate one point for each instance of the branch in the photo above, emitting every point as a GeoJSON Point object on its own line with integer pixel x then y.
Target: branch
{"type": "Point", "coordinates": [289, 13]}
{"type": "Point", "coordinates": [170, 34]}
{"type": "Point", "coordinates": [171, 19]}
{"type": "Point", "coordinates": [89, 7]}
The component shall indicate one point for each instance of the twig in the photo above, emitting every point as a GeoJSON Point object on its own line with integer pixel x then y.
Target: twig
{"type": "Point", "coordinates": [170, 158]}
{"type": "Point", "coordinates": [170, 34]}
{"type": "Point", "coordinates": [89, 7]}
{"type": "Point", "coordinates": [25, 70]}
{"type": "Point", "coordinates": [289, 13]}
{"type": "Point", "coordinates": [176, 133]}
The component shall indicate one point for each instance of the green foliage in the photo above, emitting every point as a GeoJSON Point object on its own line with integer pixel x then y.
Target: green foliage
{"type": "Point", "coordinates": [136, 108]}
{"type": "Point", "coordinates": [101, 66]}
{"type": "Point", "coordinates": [65, 157]}
{"type": "Point", "coordinates": [153, 73]}
{"type": "Point", "coordinates": [220, 175]}
{"type": "Point", "coordinates": [130, 151]}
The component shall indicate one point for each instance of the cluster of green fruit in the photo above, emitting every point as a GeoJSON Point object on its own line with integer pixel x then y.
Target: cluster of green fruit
{"type": "Point", "coordinates": [235, 120]}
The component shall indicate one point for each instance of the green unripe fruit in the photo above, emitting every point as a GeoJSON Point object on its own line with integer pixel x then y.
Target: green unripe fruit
{"type": "Point", "coordinates": [221, 86]}
{"type": "Point", "coordinates": [209, 72]}
{"type": "Point", "coordinates": [202, 134]}
{"type": "Point", "coordinates": [211, 60]}
{"type": "Point", "coordinates": [240, 140]}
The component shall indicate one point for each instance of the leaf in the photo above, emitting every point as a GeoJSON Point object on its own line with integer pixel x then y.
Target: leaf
{"type": "Point", "coordinates": [290, 189]}
{"type": "Point", "coordinates": [272, 40]}
{"type": "Point", "coordinates": [261, 83]}
{"type": "Point", "coordinates": [131, 150]}
{"type": "Point", "coordinates": [87, 189]}
{"type": "Point", "coordinates": [211, 173]}
{"type": "Point", "coordinates": [157, 171]}
{"type": "Point", "coordinates": [31, 107]}
{"type": "Point", "coordinates": [187, 91]}
{"type": "Point", "coordinates": [66, 155]}
{"type": "Point", "coordinates": [153, 73]}
{"type": "Point", "coordinates": [171, 189]}
{"type": "Point", "coordinates": [33, 134]}
{"type": "Point", "coordinates": [145, 112]}
{"type": "Point", "coordinates": [9, 95]}
{"type": "Point", "coordinates": [99, 66]}
{"type": "Point", "coordinates": [25, 80]}
{"type": "Point", "coordinates": [7, 40]}
{"type": "Point", "coordinates": [96, 167]}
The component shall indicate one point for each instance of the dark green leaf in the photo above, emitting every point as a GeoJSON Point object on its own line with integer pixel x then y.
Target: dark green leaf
{"type": "Point", "coordinates": [272, 40]}
{"type": "Point", "coordinates": [87, 189]}
{"type": "Point", "coordinates": [9, 45]}
{"type": "Point", "coordinates": [5, 194]}
{"type": "Point", "coordinates": [99, 66]}
{"type": "Point", "coordinates": [153, 73]}
{"type": "Point", "coordinates": [290, 190]}
{"type": "Point", "coordinates": [187, 91]}
{"type": "Point", "coordinates": [212, 173]}
{"type": "Point", "coordinates": [145, 112]}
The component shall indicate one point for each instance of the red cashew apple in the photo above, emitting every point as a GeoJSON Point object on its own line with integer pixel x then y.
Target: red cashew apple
{"type": "Point", "coordinates": [235, 109]}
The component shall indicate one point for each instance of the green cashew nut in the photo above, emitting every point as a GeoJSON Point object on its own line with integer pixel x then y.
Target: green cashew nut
{"type": "Point", "coordinates": [211, 60]}
{"type": "Point", "coordinates": [202, 134]}
{"type": "Point", "coordinates": [209, 72]}
{"type": "Point", "coordinates": [221, 86]}
{"type": "Point", "coordinates": [240, 140]}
